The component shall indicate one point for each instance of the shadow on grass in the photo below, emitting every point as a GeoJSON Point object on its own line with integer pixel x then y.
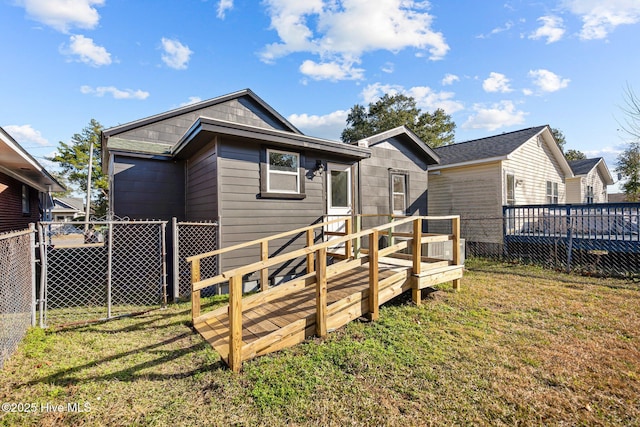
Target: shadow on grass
{"type": "Point", "coordinates": [132, 373]}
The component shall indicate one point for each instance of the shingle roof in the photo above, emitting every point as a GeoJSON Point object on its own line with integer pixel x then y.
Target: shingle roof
{"type": "Point", "coordinates": [583, 167]}
{"type": "Point", "coordinates": [485, 148]}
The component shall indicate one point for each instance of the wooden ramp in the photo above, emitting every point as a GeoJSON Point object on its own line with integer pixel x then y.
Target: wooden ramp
{"type": "Point", "coordinates": [316, 303]}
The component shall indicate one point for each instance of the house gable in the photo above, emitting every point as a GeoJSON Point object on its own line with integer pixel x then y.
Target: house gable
{"type": "Point", "coordinates": [589, 184]}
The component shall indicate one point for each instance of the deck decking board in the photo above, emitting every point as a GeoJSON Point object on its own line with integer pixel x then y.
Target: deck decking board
{"type": "Point", "coordinates": [289, 319]}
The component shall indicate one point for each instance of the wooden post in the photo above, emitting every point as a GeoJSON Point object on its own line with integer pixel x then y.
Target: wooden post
{"type": "Point", "coordinates": [195, 295]}
{"type": "Point", "coordinates": [390, 239]}
{"type": "Point", "coordinates": [358, 243]}
{"type": "Point", "coordinates": [373, 276]}
{"type": "Point", "coordinates": [235, 323]}
{"type": "Point", "coordinates": [321, 292]}
{"type": "Point", "coordinates": [264, 273]}
{"type": "Point", "coordinates": [457, 259]}
{"type": "Point", "coordinates": [310, 236]}
{"type": "Point", "coordinates": [348, 243]}
{"type": "Point", "coordinates": [416, 249]}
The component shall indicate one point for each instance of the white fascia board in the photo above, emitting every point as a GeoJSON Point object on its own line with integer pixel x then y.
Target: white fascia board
{"type": "Point", "coordinates": [469, 163]}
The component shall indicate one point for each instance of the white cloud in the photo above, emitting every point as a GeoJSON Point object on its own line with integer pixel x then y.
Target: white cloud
{"type": "Point", "coordinates": [449, 79]}
{"type": "Point", "coordinates": [26, 134]}
{"type": "Point", "coordinates": [426, 99]}
{"type": "Point", "coordinates": [339, 32]}
{"type": "Point", "coordinates": [333, 71]}
{"type": "Point", "coordinates": [328, 126]}
{"type": "Point", "coordinates": [191, 100]}
{"type": "Point", "coordinates": [599, 17]}
{"type": "Point", "coordinates": [176, 55]}
{"type": "Point", "coordinates": [388, 67]}
{"type": "Point", "coordinates": [494, 117]}
{"type": "Point", "coordinates": [496, 82]}
{"type": "Point", "coordinates": [87, 51]}
{"type": "Point", "coordinates": [115, 92]}
{"type": "Point", "coordinates": [552, 29]}
{"type": "Point", "coordinates": [63, 14]}
{"type": "Point", "coordinates": [548, 81]}
{"type": "Point", "coordinates": [223, 6]}
{"type": "Point", "coordinates": [507, 26]}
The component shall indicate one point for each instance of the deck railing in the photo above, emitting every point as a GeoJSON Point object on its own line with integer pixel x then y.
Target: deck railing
{"type": "Point", "coordinates": [318, 272]}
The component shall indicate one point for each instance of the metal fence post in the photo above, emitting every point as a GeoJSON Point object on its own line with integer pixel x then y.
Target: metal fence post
{"type": "Point", "coordinates": [32, 263]}
{"type": "Point", "coordinates": [175, 259]}
{"type": "Point", "coordinates": [109, 266]}
{"type": "Point", "coordinates": [163, 235]}
{"type": "Point", "coordinates": [43, 275]}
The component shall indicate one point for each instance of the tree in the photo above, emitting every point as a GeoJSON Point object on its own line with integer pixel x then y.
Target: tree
{"type": "Point", "coordinates": [572, 154]}
{"type": "Point", "coordinates": [628, 166]}
{"type": "Point", "coordinates": [73, 159]}
{"type": "Point", "coordinates": [390, 111]}
{"type": "Point", "coordinates": [559, 137]}
{"type": "Point", "coordinates": [628, 162]}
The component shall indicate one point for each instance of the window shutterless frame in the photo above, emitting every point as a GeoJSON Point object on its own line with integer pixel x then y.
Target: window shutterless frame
{"type": "Point", "coordinates": [281, 174]}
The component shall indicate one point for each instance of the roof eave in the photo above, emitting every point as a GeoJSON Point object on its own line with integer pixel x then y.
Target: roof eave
{"type": "Point", "coordinates": [469, 163]}
{"type": "Point", "coordinates": [204, 126]}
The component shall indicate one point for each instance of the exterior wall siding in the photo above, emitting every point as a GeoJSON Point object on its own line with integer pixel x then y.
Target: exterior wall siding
{"type": "Point", "coordinates": [148, 189]}
{"type": "Point", "coordinates": [202, 185]}
{"type": "Point", "coordinates": [533, 165]}
{"type": "Point", "coordinates": [244, 216]}
{"type": "Point", "coordinates": [375, 181]}
{"type": "Point", "coordinates": [474, 193]}
{"type": "Point", "coordinates": [169, 131]}
{"type": "Point", "coordinates": [11, 216]}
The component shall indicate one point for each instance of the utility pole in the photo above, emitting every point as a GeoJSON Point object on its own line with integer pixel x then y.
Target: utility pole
{"type": "Point", "coordinates": [88, 207]}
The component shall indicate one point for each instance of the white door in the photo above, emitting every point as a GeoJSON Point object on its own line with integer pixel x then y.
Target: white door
{"type": "Point", "coordinates": [338, 198]}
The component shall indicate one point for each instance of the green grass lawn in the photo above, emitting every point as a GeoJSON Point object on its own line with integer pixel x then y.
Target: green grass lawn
{"type": "Point", "coordinates": [518, 345]}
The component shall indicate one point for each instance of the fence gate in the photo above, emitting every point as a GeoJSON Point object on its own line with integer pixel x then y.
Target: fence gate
{"type": "Point", "coordinates": [101, 270]}
{"type": "Point", "coordinates": [193, 238]}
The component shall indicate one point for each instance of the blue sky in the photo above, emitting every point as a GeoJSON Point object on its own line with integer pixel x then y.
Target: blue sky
{"type": "Point", "coordinates": [495, 66]}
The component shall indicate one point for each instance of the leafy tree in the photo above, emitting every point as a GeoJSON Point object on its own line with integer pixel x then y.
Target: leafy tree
{"type": "Point", "coordinates": [560, 138]}
{"type": "Point", "coordinates": [73, 159]}
{"type": "Point", "coordinates": [572, 154]}
{"type": "Point", "coordinates": [390, 111]}
{"type": "Point", "coordinates": [628, 162]}
{"type": "Point", "coordinates": [628, 166]}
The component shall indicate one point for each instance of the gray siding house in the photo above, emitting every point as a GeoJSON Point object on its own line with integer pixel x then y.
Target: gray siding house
{"type": "Point", "coordinates": [231, 159]}
{"type": "Point", "coordinates": [236, 160]}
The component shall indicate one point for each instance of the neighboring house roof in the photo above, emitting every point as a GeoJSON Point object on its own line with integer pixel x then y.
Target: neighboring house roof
{"type": "Point", "coordinates": [583, 167]}
{"type": "Point", "coordinates": [68, 203]}
{"type": "Point", "coordinates": [497, 147]}
{"type": "Point", "coordinates": [17, 163]}
{"type": "Point", "coordinates": [404, 133]}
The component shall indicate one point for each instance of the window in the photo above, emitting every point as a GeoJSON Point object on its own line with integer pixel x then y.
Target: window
{"type": "Point", "coordinates": [399, 193]}
{"type": "Point", "coordinates": [511, 189]}
{"type": "Point", "coordinates": [280, 174]}
{"type": "Point", "coordinates": [283, 175]}
{"type": "Point", "coordinates": [25, 200]}
{"type": "Point", "coordinates": [552, 192]}
{"type": "Point", "coordinates": [589, 194]}
{"type": "Point", "coordinates": [340, 189]}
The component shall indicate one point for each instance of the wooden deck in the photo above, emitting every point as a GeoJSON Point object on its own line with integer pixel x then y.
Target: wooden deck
{"type": "Point", "coordinates": [326, 298]}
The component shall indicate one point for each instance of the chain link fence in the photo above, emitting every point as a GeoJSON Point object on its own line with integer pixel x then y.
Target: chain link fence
{"type": "Point", "coordinates": [17, 289]}
{"type": "Point", "coordinates": [599, 239]}
{"type": "Point", "coordinates": [101, 269]}
{"type": "Point", "coordinates": [193, 238]}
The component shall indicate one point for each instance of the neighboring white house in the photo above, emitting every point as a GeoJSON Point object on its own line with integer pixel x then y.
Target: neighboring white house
{"type": "Point", "coordinates": [67, 208]}
{"type": "Point", "coordinates": [589, 181]}
{"type": "Point", "coordinates": [476, 178]}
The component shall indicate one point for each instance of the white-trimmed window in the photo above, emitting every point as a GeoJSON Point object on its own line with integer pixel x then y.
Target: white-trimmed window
{"type": "Point", "coordinates": [283, 175]}
{"type": "Point", "coordinates": [26, 208]}
{"type": "Point", "coordinates": [510, 185]}
{"type": "Point", "coordinates": [552, 192]}
{"type": "Point", "coordinates": [589, 194]}
{"type": "Point", "coordinates": [399, 191]}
